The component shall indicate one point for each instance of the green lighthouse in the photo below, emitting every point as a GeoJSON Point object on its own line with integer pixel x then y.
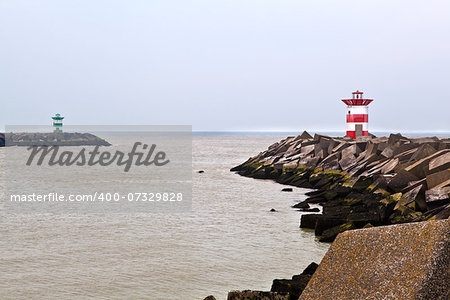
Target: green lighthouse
{"type": "Point", "coordinates": [57, 123]}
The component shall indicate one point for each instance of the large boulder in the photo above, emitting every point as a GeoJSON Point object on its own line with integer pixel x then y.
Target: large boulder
{"type": "Point", "coordinates": [406, 261]}
{"type": "Point", "coordinates": [388, 152]}
{"type": "Point", "coordinates": [296, 285]}
{"type": "Point", "coordinates": [310, 269]}
{"type": "Point", "coordinates": [437, 178]}
{"type": "Point", "coordinates": [443, 214]}
{"type": "Point", "coordinates": [413, 184]}
{"type": "Point", "coordinates": [351, 150]}
{"type": "Point", "coordinates": [302, 204]}
{"type": "Point", "coordinates": [397, 138]}
{"type": "Point", "coordinates": [309, 221]}
{"type": "Point", "coordinates": [439, 194]}
{"type": "Point", "coordinates": [305, 135]}
{"type": "Point", "coordinates": [406, 155]}
{"type": "Point", "coordinates": [439, 163]}
{"type": "Point", "coordinates": [420, 168]}
{"type": "Point", "coordinates": [342, 145]}
{"type": "Point", "coordinates": [401, 179]}
{"type": "Point", "coordinates": [416, 195]}
{"type": "Point", "coordinates": [422, 152]}
{"type": "Point", "coordinates": [305, 150]}
{"type": "Point", "coordinates": [371, 148]}
{"type": "Point", "coordinates": [330, 234]}
{"type": "Point", "coordinates": [404, 147]}
{"type": "Point", "coordinates": [347, 162]}
{"type": "Point", "coordinates": [325, 222]}
{"type": "Point", "coordinates": [390, 166]}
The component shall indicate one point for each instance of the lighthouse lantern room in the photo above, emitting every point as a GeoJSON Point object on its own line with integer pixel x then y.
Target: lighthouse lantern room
{"type": "Point", "coordinates": [57, 123]}
{"type": "Point", "coordinates": [357, 115]}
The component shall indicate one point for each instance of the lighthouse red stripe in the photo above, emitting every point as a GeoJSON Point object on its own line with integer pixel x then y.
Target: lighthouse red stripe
{"type": "Point", "coordinates": [358, 118]}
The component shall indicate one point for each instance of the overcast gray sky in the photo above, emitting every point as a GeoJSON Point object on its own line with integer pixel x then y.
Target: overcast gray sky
{"type": "Point", "coordinates": [225, 65]}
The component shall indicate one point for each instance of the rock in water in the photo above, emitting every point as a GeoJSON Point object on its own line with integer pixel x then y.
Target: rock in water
{"type": "Point", "coordinates": [309, 221]}
{"type": "Point", "coordinates": [296, 285]}
{"type": "Point", "coordinates": [257, 295]}
{"type": "Point", "coordinates": [301, 205]}
{"type": "Point", "coordinates": [310, 269]}
{"type": "Point", "coordinates": [314, 209]}
{"type": "Point", "coordinates": [406, 261]}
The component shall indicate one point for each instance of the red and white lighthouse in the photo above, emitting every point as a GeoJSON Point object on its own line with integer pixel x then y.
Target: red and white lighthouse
{"type": "Point", "coordinates": [357, 115]}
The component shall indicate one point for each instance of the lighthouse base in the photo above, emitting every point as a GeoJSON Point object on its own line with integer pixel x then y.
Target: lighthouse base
{"type": "Point", "coordinates": [353, 134]}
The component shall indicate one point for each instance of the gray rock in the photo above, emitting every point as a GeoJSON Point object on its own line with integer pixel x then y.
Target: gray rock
{"type": "Point", "coordinates": [416, 195]}
{"type": "Point", "coordinates": [406, 155]}
{"type": "Point", "coordinates": [437, 178]}
{"type": "Point", "coordinates": [351, 150]}
{"type": "Point", "coordinates": [305, 135]}
{"type": "Point", "coordinates": [390, 166]}
{"type": "Point", "coordinates": [293, 287]}
{"type": "Point", "coordinates": [347, 162]}
{"type": "Point", "coordinates": [420, 168]}
{"type": "Point", "coordinates": [388, 152]}
{"type": "Point", "coordinates": [438, 193]}
{"type": "Point", "coordinates": [439, 163]}
{"type": "Point", "coordinates": [314, 209]}
{"type": "Point", "coordinates": [406, 261]}
{"type": "Point", "coordinates": [301, 205]}
{"type": "Point", "coordinates": [400, 180]}
{"type": "Point", "coordinates": [309, 221]}
{"type": "Point", "coordinates": [422, 152]}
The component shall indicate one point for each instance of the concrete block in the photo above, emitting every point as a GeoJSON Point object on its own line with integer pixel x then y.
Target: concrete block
{"type": "Point", "coordinates": [406, 261]}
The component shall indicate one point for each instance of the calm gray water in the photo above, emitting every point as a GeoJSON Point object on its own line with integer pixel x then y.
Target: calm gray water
{"type": "Point", "coordinates": [229, 241]}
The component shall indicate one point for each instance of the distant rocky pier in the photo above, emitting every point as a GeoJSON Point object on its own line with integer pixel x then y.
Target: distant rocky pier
{"type": "Point", "coordinates": [51, 139]}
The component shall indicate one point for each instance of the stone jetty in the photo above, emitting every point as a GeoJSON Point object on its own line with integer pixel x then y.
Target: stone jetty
{"type": "Point", "coordinates": [406, 261]}
{"type": "Point", "coordinates": [367, 182]}
{"type": "Point", "coordinates": [51, 139]}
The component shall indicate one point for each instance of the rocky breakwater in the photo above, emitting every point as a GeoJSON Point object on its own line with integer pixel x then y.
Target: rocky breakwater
{"type": "Point", "coordinates": [360, 183]}
{"type": "Point", "coordinates": [51, 139]}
